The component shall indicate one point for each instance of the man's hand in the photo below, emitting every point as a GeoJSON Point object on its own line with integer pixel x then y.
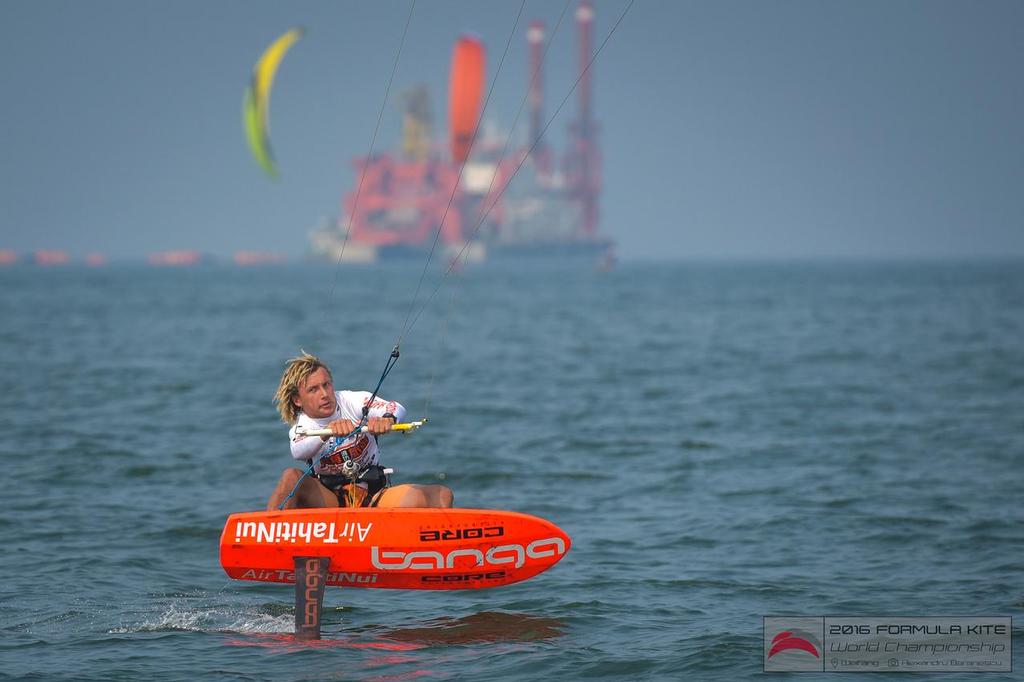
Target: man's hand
{"type": "Point", "coordinates": [341, 427]}
{"type": "Point", "coordinates": [375, 425]}
{"type": "Point", "coordinates": [379, 425]}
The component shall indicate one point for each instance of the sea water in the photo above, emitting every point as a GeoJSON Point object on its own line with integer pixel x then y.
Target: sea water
{"type": "Point", "coordinates": [722, 441]}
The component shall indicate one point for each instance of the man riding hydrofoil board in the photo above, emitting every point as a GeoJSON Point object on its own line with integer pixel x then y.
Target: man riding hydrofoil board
{"type": "Point", "coordinates": [307, 400]}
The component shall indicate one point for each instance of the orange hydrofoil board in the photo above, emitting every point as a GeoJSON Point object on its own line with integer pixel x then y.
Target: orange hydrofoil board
{"type": "Point", "coordinates": [417, 549]}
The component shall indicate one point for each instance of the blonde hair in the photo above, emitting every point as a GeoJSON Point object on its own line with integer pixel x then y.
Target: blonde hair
{"type": "Point", "coordinates": [296, 371]}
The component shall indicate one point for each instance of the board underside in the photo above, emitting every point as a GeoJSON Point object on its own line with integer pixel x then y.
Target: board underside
{"type": "Point", "coordinates": [418, 549]}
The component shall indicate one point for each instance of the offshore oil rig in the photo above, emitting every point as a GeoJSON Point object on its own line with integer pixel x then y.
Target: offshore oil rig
{"type": "Point", "coordinates": [465, 189]}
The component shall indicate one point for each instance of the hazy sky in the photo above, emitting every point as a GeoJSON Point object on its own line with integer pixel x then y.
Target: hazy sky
{"type": "Point", "coordinates": [728, 129]}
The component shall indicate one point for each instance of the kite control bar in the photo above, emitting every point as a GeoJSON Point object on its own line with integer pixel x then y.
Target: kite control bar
{"type": "Point", "coordinates": [403, 427]}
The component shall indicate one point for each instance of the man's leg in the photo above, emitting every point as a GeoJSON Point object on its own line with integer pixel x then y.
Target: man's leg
{"type": "Point", "coordinates": [310, 493]}
{"type": "Point", "coordinates": [421, 496]}
{"type": "Point", "coordinates": [439, 496]}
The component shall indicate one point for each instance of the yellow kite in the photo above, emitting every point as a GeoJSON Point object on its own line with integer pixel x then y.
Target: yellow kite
{"type": "Point", "coordinates": [256, 104]}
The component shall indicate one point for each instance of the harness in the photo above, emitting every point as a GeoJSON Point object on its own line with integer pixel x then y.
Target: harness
{"type": "Point", "coordinates": [373, 476]}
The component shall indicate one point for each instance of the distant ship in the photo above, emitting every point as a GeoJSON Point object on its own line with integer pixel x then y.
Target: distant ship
{"type": "Point", "coordinates": [545, 209]}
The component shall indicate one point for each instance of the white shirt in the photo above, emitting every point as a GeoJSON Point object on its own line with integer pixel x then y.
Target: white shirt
{"type": "Point", "coordinates": [361, 448]}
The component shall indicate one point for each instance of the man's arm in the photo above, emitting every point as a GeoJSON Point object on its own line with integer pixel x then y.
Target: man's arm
{"type": "Point", "coordinates": [305, 447]}
{"type": "Point", "coordinates": [383, 413]}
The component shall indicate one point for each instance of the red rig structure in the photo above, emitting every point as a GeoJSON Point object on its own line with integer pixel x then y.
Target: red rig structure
{"type": "Point", "coordinates": [469, 195]}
